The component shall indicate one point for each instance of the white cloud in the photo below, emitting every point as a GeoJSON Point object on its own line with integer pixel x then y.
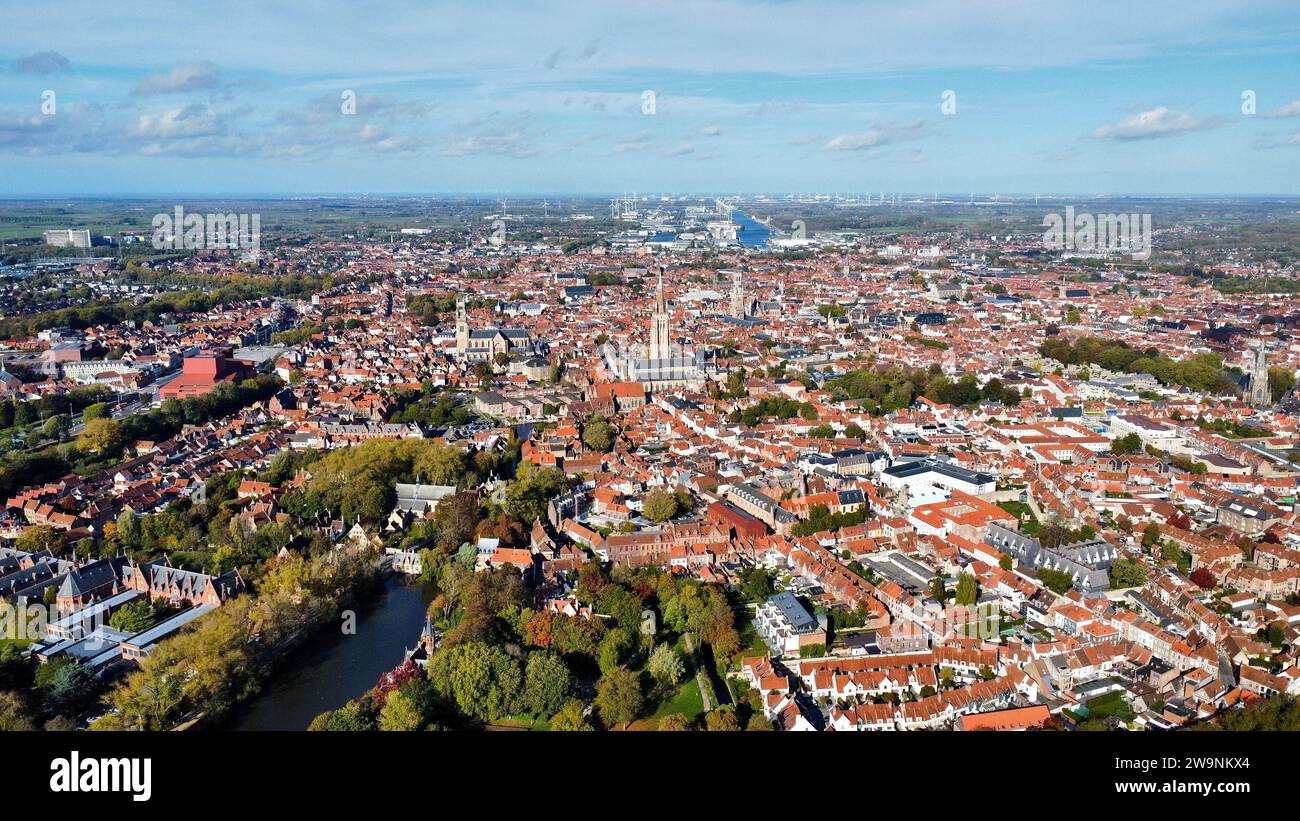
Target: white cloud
{"type": "Point", "coordinates": [487, 136]}
{"type": "Point", "coordinates": [184, 77]}
{"type": "Point", "coordinates": [875, 137]}
{"type": "Point", "coordinates": [182, 121]}
{"type": "Point", "coordinates": [1291, 109]}
{"type": "Point", "coordinates": [1157, 122]}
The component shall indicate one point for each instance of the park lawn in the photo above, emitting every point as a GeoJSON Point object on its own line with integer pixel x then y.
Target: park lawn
{"type": "Point", "coordinates": [520, 722]}
{"type": "Point", "coordinates": [686, 701]}
{"type": "Point", "coordinates": [751, 643]}
{"type": "Point", "coordinates": [1111, 704]}
{"type": "Point", "coordinates": [1029, 526]}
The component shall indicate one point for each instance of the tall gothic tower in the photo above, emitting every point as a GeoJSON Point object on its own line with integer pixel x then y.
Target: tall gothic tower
{"type": "Point", "coordinates": [659, 347]}
{"type": "Point", "coordinates": [462, 325]}
{"type": "Point", "coordinates": [1260, 395]}
{"type": "Point", "coordinates": [737, 296]}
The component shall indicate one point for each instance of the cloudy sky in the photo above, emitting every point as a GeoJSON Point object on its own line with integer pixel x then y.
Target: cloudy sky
{"type": "Point", "coordinates": [689, 96]}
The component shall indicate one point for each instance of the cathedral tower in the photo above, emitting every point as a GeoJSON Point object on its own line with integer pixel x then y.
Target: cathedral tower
{"type": "Point", "coordinates": [1260, 395]}
{"type": "Point", "coordinates": [737, 296]}
{"type": "Point", "coordinates": [462, 325]}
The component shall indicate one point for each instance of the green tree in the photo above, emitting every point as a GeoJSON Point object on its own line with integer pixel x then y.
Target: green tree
{"type": "Point", "coordinates": [133, 617]}
{"type": "Point", "coordinates": [482, 680]}
{"type": "Point", "coordinates": [1058, 581]}
{"type": "Point", "coordinates": [618, 698]}
{"type": "Point", "coordinates": [1123, 445]}
{"type": "Point", "coordinates": [660, 505]}
{"type": "Point", "coordinates": [597, 434]}
{"type": "Point", "coordinates": [666, 666]}
{"type": "Point", "coordinates": [570, 718]}
{"type": "Point", "coordinates": [1150, 534]}
{"type": "Point", "coordinates": [546, 683]}
{"type": "Point", "coordinates": [56, 426]}
{"type": "Point", "coordinates": [1127, 573]}
{"type": "Point", "coordinates": [614, 649]}
{"type": "Point", "coordinates": [38, 538]}
{"type": "Point", "coordinates": [967, 589]}
{"type": "Point", "coordinates": [347, 719]}
{"type": "Point", "coordinates": [70, 688]}
{"type": "Point", "coordinates": [128, 530]}
{"type": "Point", "coordinates": [400, 713]}
{"type": "Point", "coordinates": [758, 584]}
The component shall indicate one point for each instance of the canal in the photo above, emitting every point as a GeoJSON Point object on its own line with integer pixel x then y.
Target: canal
{"type": "Point", "coordinates": [333, 668]}
{"type": "Point", "coordinates": [751, 233]}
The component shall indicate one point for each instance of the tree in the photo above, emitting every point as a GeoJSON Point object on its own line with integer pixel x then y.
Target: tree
{"type": "Point", "coordinates": [546, 683]}
{"type": "Point", "coordinates": [618, 698]}
{"type": "Point", "coordinates": [854, 431]}
{"type": "Point", "coordinates": [758, 584]}
{"type": "Point", "coordinates": [666, 666]}
{"type": "Point", "coordinates": [1203, 578]}
{"type": "Point", "coordinates": [758, 723]}
{"type": "Point", "coordinates": [1282, 712]}
{"type": "Point", "coordinates": [133, 617]}
{"type": "Point", "coordinates": [71, 687]}
{"type": "Point", "coordinates": [570, 718]}
{"type": "Point", "coordinates": [597, 434]}
{"type": "Point", "coordinates": [613, 649]}
{"type": "Point", "coordinates": [38, 538]}
{"type": "Point", "coordinates": [938, 589]}
{"type": "Point", "coordinates": [1150, 534]}
{"type": "Point", "coordinates": [347, 719]}
{"type": "Point", "coordinates": [456, 518]}
{"type": "Point", "coordinates": [56, 426]}
{"type": "Point", "coordinates": [483, 681]}
{"type": "Point", "coordinates": [1123, 445]}
{"type": "Point", "coordinates": [99, 410]}
{"type": "Point", "coordinates": [532, 488]}
{"type": "Point", "coordinates": [13, 713]}
{"type": "Point", "coordinates": [1127, 573]}
{"type": "Point", "coordinates": [1058, 581]}
{"type": "Point", "coordinates": [673, 723]}
{"type": "Point", "coordinates": [660, 505]}
{"type": "Point", "coordinates": [102, 437]}
{"type": "Point", "coordinates": [400, 713]}
{"type": "Point", "coordinates": [1005, 561]}
{"type": "Point", "coordinates": [967, 589]}
{"type": "Point", "coordinates": [127, 527]}
{"type": "Point", "coordinates": [722, 720]}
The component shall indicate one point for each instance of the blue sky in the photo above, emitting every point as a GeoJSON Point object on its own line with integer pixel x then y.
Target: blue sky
{"type": "Point", "coordinates": [530, 97]}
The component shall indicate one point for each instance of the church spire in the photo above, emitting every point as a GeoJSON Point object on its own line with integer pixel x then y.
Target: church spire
{"type": "Point", "coordinates": [659, 345]}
